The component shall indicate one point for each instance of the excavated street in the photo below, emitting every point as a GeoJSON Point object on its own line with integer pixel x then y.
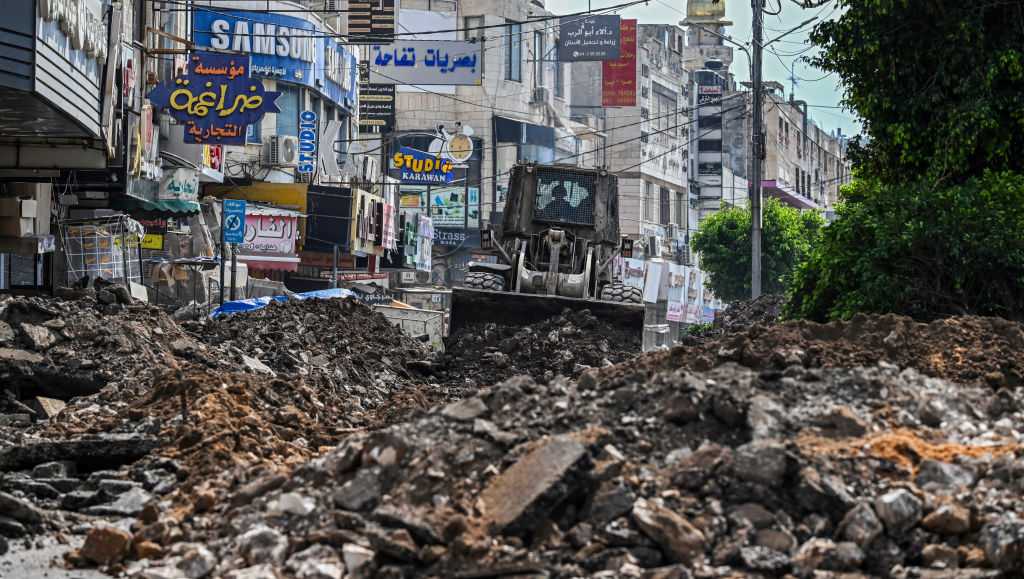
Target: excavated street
{"type": "Point", "coordinates": [314, 440]}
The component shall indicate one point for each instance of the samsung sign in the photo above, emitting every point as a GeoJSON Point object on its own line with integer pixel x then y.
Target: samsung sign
{"type": "Point", "coordinates": [284, 48]}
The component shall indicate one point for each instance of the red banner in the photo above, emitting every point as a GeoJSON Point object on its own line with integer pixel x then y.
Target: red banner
{"type": "Point", "coordinates": [618, 85]}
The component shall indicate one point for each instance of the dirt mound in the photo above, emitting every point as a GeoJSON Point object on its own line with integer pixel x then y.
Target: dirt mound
{"type": "Point", "coordinates": [966, 349]}
{"type": "Point", "coordinates": [484, 354]}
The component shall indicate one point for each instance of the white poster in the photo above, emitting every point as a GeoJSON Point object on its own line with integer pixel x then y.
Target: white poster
{"type": "Point", "coordinates": [633, 273]}
{"type": "Point", "coordinates": [652, 283]}
{"type": "Point", "coordinates": [676, 290]}
{"type": "Point", "coordinates": [691, 310]}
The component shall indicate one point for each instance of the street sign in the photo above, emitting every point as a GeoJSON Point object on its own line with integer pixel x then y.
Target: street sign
{"type": "Point", "coordinates": [234, 220]}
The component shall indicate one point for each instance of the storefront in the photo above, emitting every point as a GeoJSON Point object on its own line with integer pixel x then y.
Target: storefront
{"type": "Point", "coordinates": [440, 177]}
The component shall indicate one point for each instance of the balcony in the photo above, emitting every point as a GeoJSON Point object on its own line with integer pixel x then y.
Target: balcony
{"type": "Point", "coordinates": [783, 192]}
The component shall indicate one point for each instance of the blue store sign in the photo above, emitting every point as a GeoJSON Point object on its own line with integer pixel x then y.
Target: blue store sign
{"type": "Point", "coordinates": [282, 47]}
{"type": "Point", "coordinates": [216, 99]}
{"type": "Point", "coordinates": [419, 167]}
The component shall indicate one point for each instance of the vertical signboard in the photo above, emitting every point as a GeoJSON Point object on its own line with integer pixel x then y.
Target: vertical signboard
{"type": "Point", "coordinates": [307, 142]}
{"type": "Point", "coordinates": [618, 77]}
{"type": "Point", "coordinates": [376, 108]}
{"type": "Point", "coordinates": [371, 21]}
{"type": "Point", "coordinates": [234, 221]}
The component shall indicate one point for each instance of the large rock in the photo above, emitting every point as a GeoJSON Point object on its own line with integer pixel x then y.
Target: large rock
{"type": "Point", "coordinates": [127, 504]}
{"type": "Point", "coordinates": [611, 501]}
{"type": "Point", "coordinates": [948, 519]}
{"type": "Point", "coordinates": [38, 337]}
{"type": "Point", "coordinates": [824, 555]}
{"type": "Point", "coordinates": [106, 545]}
{"type": "Point", "coordinates": [1003, 542]}
{"type": "Point", "coordinates": [522, 496]}
{"type": "Point", "coordinates": [763, 462]}
{"type": "Point", "coordinates": [900, 510]}
{"type": "Point", "coordinates": [860, 525]}
{"type": "Point", "coordinates": [316, 562]}
{"type": "Point", "coordinates": [361, 492]}
{"type": "Point", "coordinates": [679, 540]}
{"type": "Point", "coordinates": [262, 544]}
{"type": "Point", "coordinates": [763, 559]}
{"type": "Point", "coordinates": [465, 410]}
{"type": "Point", "coordinates": [196, 561]}
{"type": "Point", "coordinates": [932, 474]}
{"type": "Point", "coordinates": [20, 509]}
{"type": "Point", "coordinates": [766, 418]}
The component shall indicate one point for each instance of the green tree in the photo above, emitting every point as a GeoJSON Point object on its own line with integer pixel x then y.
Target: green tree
{"type": "Point", "coordinates": [939, 85]}
{"type": "Point", "coordinates": [723, 242]}
{"type": "Point", "coordinates": [919, 251]}
{"type": "Point", "coordinates": [934, 224]}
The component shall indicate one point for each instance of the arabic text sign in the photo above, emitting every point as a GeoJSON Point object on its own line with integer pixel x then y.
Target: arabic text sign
{"type": "Point", "coordinates": [269, 234]}
{"type": "Point", "coordinates": [234, 221]}
{"type": "Point", "coordinates": [426, 62]}
{"type": "Point", "coordinates": [216, 99]}
{"type": "Point", "coordinates": [419, 167]}
{"type": "Point", "coordinates": [588, 38]}
{"type": "Point", "coordinates": [618, 77]}
{"type": "Point", "coordinates": [180, 184]}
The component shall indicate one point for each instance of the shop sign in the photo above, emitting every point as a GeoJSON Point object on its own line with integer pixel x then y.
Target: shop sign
{"type": "Point", "coordinates": [216, 99]}
{"type": "Point", "coordinates": [618, 77]}
{"type": "Point", "coordinates": [355, 276]}
{"type": "Point", "coordinates": [676, 287]}
{"type": "Point", "coordinates": [179, 184]}
{"type": "Point", "coordinates": [282, 48]}
{"type": "Point", "coordinates": [213, 156]}
{"type": "Point", "coordinates": [584, 38]}
{"type": "Point", "coordinates": [269, 234]}
{"type": "Point", "coordinates": [371, 21]}
{"type": "Point", "coordinates": [376, 108]}
{"type": "Point", "coordinates": [307, 142]}
{"type": "Point", "coordinates": [465, 238]}
{"type": "Point", "coordinates": [78, 20]}
{"type": "Point", "coordinates": [426, 62]}
{"type": "Point", "coordinates": [155, 231]}
{"type": "Point", "coordinates": [419, 167]}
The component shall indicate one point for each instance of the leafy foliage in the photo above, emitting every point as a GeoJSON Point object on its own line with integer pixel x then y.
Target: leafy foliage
{"type": "Point", "coordinates": [938, 83]}
{"type": "Point", "coordinates": [723, 241]}
{"type": "Point", "coordinates": [920, 251]}
{"type": "Point", "coordinates": [935, 224]}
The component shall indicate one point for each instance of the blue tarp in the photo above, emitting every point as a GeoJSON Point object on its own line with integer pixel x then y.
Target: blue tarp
{"type": "Point", "coordinates": [253, 304]}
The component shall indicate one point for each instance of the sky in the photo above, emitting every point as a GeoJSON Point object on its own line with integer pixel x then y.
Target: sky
{"type": "Point", "coordinates": [811, 86]}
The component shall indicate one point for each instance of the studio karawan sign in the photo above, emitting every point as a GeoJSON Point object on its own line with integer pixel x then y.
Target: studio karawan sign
{"type": "Point", "coordinates": [216, 99]}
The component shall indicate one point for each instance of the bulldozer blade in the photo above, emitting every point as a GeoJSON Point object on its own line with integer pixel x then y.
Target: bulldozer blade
{"type": "Point", "coordinates": [476, 306]}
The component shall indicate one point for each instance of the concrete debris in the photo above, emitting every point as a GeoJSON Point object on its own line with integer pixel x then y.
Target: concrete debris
{"type": "Point", "coordinates": [312, 440]}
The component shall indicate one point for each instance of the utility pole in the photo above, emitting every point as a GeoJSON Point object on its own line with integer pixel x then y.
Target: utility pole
{"type": "Point", "coordinates": [757, 147]}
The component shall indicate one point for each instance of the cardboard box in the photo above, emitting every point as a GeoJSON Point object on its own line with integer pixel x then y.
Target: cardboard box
{"type": "Point", "coordinates": [17, 226]}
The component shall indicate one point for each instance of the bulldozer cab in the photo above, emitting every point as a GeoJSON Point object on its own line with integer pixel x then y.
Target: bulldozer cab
{"type": "Point", "coordinates": [583, 202]}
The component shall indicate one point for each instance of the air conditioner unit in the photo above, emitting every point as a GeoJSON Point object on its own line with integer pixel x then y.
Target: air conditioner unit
{"type": "Point", "coordinates": [280, 151]}
{"type": "Point", "coordinates": [540, 95]}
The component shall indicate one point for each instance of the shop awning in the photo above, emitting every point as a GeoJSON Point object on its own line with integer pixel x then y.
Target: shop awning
{"type": "Point", "coordinates": [156, 207]}
{"type": "Point", "coordinates": [270, 262]}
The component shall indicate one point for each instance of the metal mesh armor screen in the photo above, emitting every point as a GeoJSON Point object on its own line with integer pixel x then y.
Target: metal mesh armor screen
{"type": "Point", "coordinates": [565, 197]}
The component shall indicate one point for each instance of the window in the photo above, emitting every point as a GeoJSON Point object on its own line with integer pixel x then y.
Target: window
{"type": "Point", "coordinates": [559, 79]}
{"type": "Point", "coordinates": [288, 118]}
{"type": "Point", "coordinates": [648, 213]}
{"type": "Point", "coordinates": [473, 30]}
{"type": "Point", "coordinates": [645, 71]}
{"type": "Point", "coordinates": [665, 208]}
{"type": "Point", "coordinates": [514, 52]}
{"type": "Point", "coordinates": [538, 58]}
{"type": "Point", "coordinates": [799, 181]}
{"type": "Point", "coordinates": [665, 109]}
{"type": "Point", "coordinates": [680, 205]}
{"type": "Point", "coordinates": [643, 137]}
{"type": "Point", "coordinates": [710, 145]}
{"type": "Point", "coordinates": [711, 122]}
{"type": "Point", "coordinates": [564, 197]}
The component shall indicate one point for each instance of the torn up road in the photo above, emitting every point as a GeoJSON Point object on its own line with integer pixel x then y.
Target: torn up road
{"type": "Point", "coordinates": [878, 447]}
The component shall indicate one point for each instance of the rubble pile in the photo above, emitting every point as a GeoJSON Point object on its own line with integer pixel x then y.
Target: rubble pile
{"type": "Point", "coordinates": [351, 357]}
{"type": "Point", "coordinates": [673, 473]}
{"type": "Point", "coordinates": [740, 315]}
{"type": "Point", "coordinates": [965, 349]}
{"type": "Point", "coordinates": [53, 350]}
{"type": "Point", "coordinates": [568, 344]}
